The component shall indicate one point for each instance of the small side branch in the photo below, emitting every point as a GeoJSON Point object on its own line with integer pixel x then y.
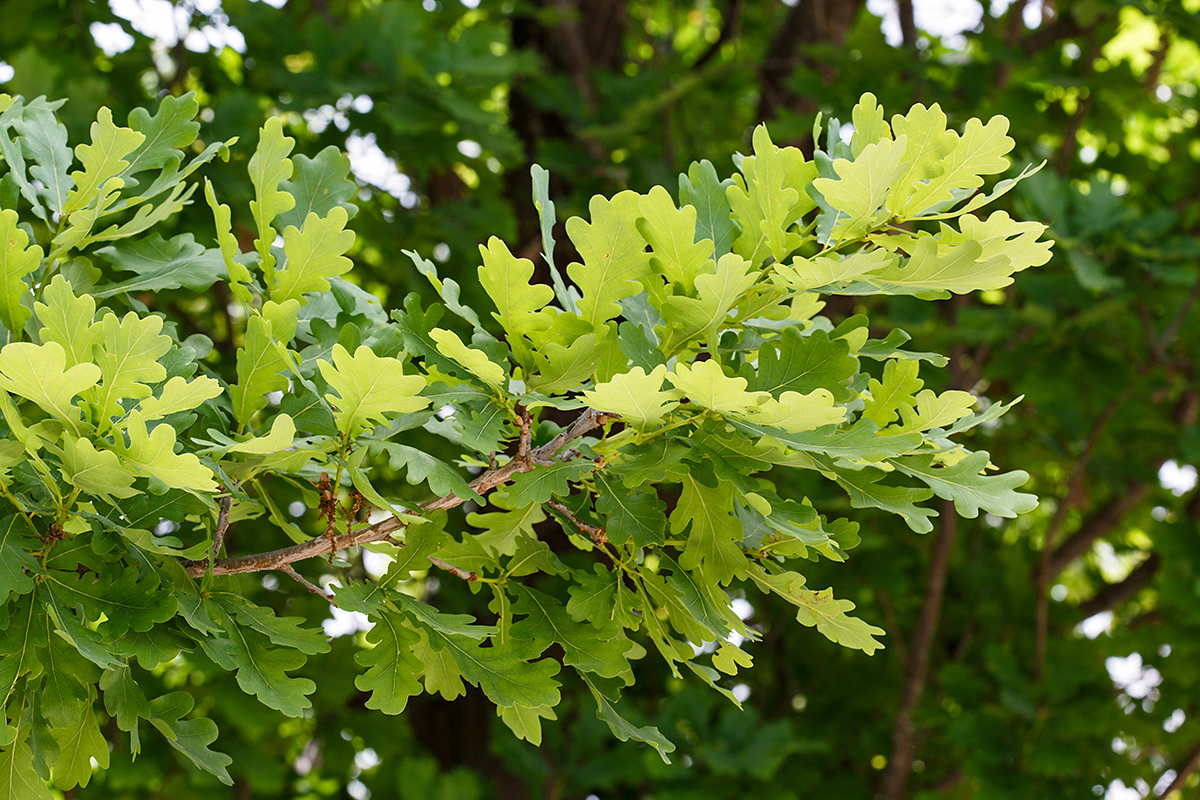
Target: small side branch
{"type": "Point", "coordinates": [223, 506]}
{"type": "Point", "coordinates": [277, 559]}
{"type": "Point", "coordinates": [458, 572]}
{"type": "Point", "coordinates": [290, 571]}
{"type": "Point", "coordinates": [596, 533]}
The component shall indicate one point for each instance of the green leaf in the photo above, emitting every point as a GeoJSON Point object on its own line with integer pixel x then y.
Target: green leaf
{"type": "Point", "coordinates": [392, 669]}
{"type": "Point", "coordinates": [162, 264]}
{"type": "Point", "coordinates": [508, 280]}
{"type": "Point", "coordinates": [132, 348]}
{"type": "Point", "coordinates": [420, 466]}
{"type": "Point", "coordinates": [190, 737]}
{"type": "Point", "coordinates": [269, 166]}
{"type": "Point", "coordinates": [861, 441]}
{"type": "Point", "coordinates": [702, 316]}
{"type": "Point", "coordinates": [568, 297]}
{"type": "Point", "coordinates": [624, 730]}
{"type": "Point", "coordinates": [39, 373]}
{"type": "Point", "coordinates": [768, 198]}
{"type": "Point", "coordinates": [67, 321]}
{"type": "Point", "coordinates": [820, 609]}
{"type": "Point", "coordinates": [504, 676]}
{"type": "Point", "coordinates": [95, 472]}
{"type": "Point", "coordinates": [153, 453]}
{"type": "Point", "coordinates": [896, 392]}
{"type": "Point", "coordinates": [128, 602]}
{"type": "Point", "coordinates": [865, 491]}
{"type": "Point", "coordinates": [561, 368]}
{"type": "Point", "coordinates": [637, 397]}
{"type": "Point", "coordinates": [545, 481]}
{"type": "Point", "coordinates": [630, 516]}
{"type": "Point", "coordinates": [932, 410]}
{"type": "Point", "coordinates": [262, 669]}
{"type": "Point", "coordinates": [79, 743]}
{"type": "Point", "coordinates": [123, 698]}
{"type": "Point", "coordinates": [613, 253]}
{"type": "Point", "coordinates": [18, 780]}
{"type": "Point", "coordinates": [475, 361]}
{"type": "Point", "coordinates": [670, 233]}
{"type": "Point", "coordinates": [16, 261]}
{"type": "Point", "coordinates": [971, 490]}
{"type": "Point", "coordinates": [315, 253]}
{"type": "Point", "coordinates": [239, 275]}
{"type": "Point", "coordinates": [869, 126]}
{"type": "Point", "coordinates": [1000, 235]}
{"type": "Point", "coordinates": [44, 138]}
{"type": "Point", "coordinates": [319, 185]}
{"type": "Point", "coordinates": [166, 133]}
{"type": "Point", "coordinates": [585, 647]}
{"type": "Point", "coordinates": [980, 150]}
{"type": "Point", "coordinates": [960, 269]}
{"type": "Point", "coordinates": [526, 723]}
{"type": "Point", "coordinates": [797, 413]}
{"type": "Point", "coordinates": [369, 388]}
{"type": "Point", "coordinates": [805, 274]}
{"type": "Point", "coordinates": [863, 186]}
{"type": "Point", "coordinates": [180, 394]}
{"type": "Point", "coordinates": [928, 142]}
{"type": "Point", "coordinates": [707, 385]}
{"type": "Point", "coordinates": [705, 601]}
{"type": "Point", "coordinates": [701, 189]}
{"type": "Point", "coordinates": [259, 362]}
{"type": "Point", "coordinates": [803, 363]}
{"type": "Point", "coordinates": [102, 160]}
{"type": "Point", "coordinates": [17, 539]}
{"type": "Point", "coordinates": [713, 532]}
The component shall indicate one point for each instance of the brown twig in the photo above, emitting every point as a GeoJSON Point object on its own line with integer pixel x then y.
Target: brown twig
{"type": "Point", "coordinates": [1183, 771]}
{"type": "Point", "coordinates": [597, 534]}
{"type": "Point", "coordinates": [223, 506]}
{"type": "Point", "coordinates": [1114, 594]}
{"type": "Point", "coordinates": [453, 570]}
{"type": "Point", "coordinates": [290, 571]}
{"type": "Point", "coordinates": [1097, 525]}
{"type": "Point", "coordinates": [899, 766]}
{"type": "Point", "coordinates": [320, 545]}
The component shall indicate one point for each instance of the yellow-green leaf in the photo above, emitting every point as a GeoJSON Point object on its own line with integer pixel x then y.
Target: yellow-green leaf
{"type": "Point", "coordinates": [18, 258]}
{"type": "Point", "coordinates": [369, 388]}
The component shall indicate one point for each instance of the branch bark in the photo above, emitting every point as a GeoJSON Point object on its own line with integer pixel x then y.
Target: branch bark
{"type": "Point", "coordinates": [1184, 771]}
{"type": "Point", "coordinates": [1114, 594]}
{"type": "Point", "coordinates": [321, 545]}
{"type": "Point", "coordinates": [1100, 523]}
{"type": "Point", "coordinates": [899, 765]}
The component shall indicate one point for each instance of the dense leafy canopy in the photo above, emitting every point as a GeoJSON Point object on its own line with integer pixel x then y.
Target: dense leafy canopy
{"type": "Point", "coordinates": [986, 686]}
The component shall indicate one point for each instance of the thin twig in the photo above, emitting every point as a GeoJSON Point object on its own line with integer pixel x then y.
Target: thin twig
{"type": "Point", "coordinates": [290, 571]}
{"type": "Point", "coordinates": [277, 559]}
{"type": "Point", "coordinates": [223, 506]}
{"type": "Point", "coordinates": [453, 570]}
{"type": "Point", "coordinates": [597, 534]}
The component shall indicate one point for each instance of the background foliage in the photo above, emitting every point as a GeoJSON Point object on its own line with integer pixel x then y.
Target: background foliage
{"type": "Point", "coordinates": [989, 687]}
